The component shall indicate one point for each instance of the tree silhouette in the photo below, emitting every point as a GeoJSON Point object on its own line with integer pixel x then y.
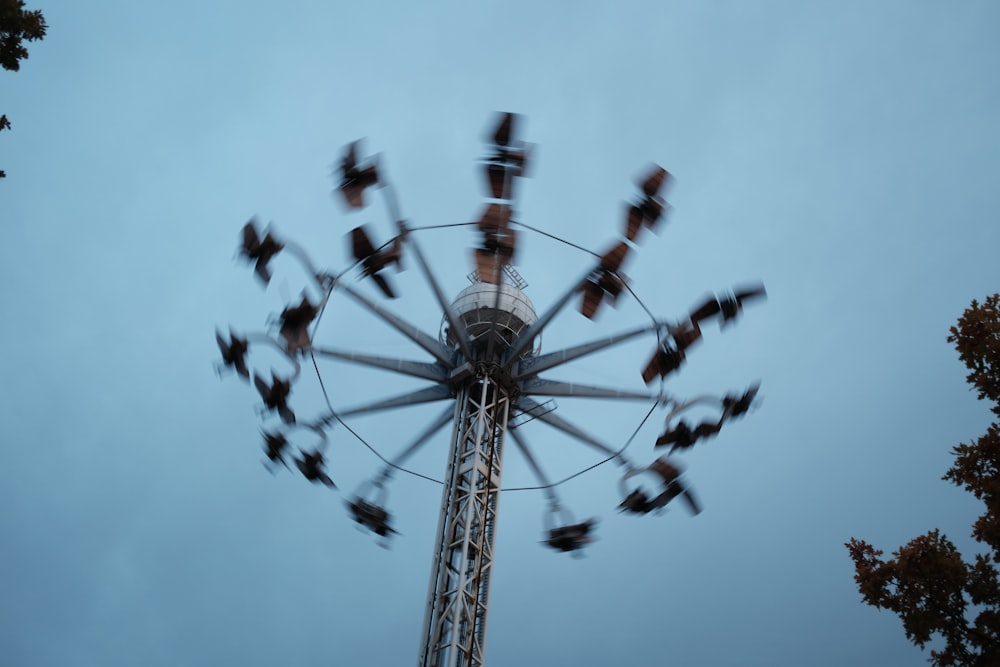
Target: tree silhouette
{"type": "Point", "coordinates": [927, 583]}
{"type": "Point", "coordinates": [17, 25]}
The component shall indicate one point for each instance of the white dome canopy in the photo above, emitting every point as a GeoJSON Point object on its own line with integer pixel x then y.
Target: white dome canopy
{"type": "Point", "coordinates": [483, 307]}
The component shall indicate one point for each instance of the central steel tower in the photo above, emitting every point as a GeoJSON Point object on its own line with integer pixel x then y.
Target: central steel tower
{"type": "Point", "coordinates": [458, 601]}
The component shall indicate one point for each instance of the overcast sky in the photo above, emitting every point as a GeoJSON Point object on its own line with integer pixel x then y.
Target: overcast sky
{"type": "Point", "coordinates": [847, 154]}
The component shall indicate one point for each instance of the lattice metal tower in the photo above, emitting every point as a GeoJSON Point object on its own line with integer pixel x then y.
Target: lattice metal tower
{"type": "Point", "coordinates": [458, 601]}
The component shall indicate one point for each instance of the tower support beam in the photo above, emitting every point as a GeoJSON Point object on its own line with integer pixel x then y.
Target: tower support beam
{"type": "Point", "coordinates": [454, 633]}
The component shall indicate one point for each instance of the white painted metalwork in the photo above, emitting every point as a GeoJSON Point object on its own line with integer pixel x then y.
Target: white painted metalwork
{"type": "Point", "coordinates": [455, 618]}
{"type": "Point", "coordinates": [483, 308]}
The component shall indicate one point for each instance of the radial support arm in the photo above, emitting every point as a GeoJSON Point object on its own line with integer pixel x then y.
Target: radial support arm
{"type": "Point", "coordinates": [540, 387]}
{"type": "Point", "coordinates": [428, 395]}
{"type": "Point", "coordinates": [532, 366]}
{"type": "Point", "coordinates": [522, 446]}
{"type": "Point", "coordinates": [457, 328]}
{"type": "Point", "coordinates": [419, 441]}
{"type": "Point", "coordinates": [418, 336]}
{"type": "Point", "coordinates": [418, 369]}
{"type": "Point", "coordinates": [566, 427]}
{"type": "Point", "coordinates": [527, 337]}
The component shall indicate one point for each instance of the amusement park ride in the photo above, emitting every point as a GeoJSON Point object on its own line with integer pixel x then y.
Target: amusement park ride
{"type": "Point", "coordinates": [488, 367]}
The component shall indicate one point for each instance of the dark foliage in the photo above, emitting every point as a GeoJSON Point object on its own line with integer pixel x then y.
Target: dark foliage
{"type": "Point", "coordinates": [927, 583]}
{"type": "Point", "coordinates": [17, 26]}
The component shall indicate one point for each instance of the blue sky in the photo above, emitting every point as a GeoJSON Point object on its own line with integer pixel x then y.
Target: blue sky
{"type": "Point", "coordinates": [846, 154]}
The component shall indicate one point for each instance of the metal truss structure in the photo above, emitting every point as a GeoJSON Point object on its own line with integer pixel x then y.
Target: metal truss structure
{"type": "Point", "coordinates": [486, 363]}
{"type": "Point", "coordinates": [457, 603]}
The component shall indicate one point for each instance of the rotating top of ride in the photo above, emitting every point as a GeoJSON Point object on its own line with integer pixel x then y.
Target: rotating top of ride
{"type": "Point", "coordinates": [493, 314]}
{"type": "Point", "coordinates": [490, 328]}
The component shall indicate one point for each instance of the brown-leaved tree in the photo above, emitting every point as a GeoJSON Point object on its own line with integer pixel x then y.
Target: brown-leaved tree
{"type": "Point", "coordinates": [927, 583]}
{"type": "Point", "coordinates": [17, 26]}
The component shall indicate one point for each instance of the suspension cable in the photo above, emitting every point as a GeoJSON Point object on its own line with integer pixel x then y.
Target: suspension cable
{"type": "Point", "coordinates": [589, 468]}
{"type": "Point", "coordinates": [357, 435]}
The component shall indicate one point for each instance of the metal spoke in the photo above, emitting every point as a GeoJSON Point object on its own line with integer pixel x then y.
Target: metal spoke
{"type": "Point", "coordinates": [428, 395]}
{"type": "Point", "coordinates": [417, 335]}
{"type": "Point", "coordinates": [420, 440]}
{"type": "Point", "coordinates": [546, 485]}
{"type": "Point", "coordinates": [566, 427]}
{"type": "Point", "coordinates": [420, 369]}
{"type": "Point", "coordinates": [532, 366]}
{"type": "Point", "coordinates": [540, 387]}
{"type": "Point", "coordinates": [449, 313]}
{"type": "Point", "coordinates": [527, 337]}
